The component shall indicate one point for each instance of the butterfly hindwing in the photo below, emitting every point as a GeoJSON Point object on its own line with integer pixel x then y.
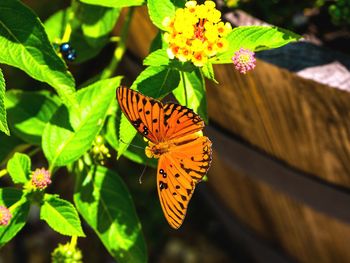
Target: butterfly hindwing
{"type": "Point", "coordinates": [144, 113]}
{"type": "Point", "coordinates": [177, 175]}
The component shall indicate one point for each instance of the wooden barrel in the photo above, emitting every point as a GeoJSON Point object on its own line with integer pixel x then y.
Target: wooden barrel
{"type": "Point", "coordinates": [281, 167]}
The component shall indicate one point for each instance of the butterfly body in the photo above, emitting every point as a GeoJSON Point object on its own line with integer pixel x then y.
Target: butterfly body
{"type": "Point", "coordinates": [175, 137]}
{"type": "Point", "coordinates": [156, 150]}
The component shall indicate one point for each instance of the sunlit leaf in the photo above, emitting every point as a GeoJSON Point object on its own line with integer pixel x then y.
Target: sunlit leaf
{"type": "Point", "coordinates": [208, 72]}
{"type": "Point", "coordinates": [157, 81]}
{"type": "Point", "coordinates": [105, 203]}
{"type": "Point", "coordinates": [3, 121]}
{"type": "Point", "coordinates": [157, 58]}
{"type": "Point", "coordinates": [19, 168]}
{"type": "Point", "coordinates": [70, 134]}
{"type": "Point", "coordinates": [255, 38]}
{"type": "Point", "coordinates": [191, 92]}
{"type": "Point", "coordinates": [61, 216]}
{"type": "Point", "coordinates": [26, 46]}
{"type": "Point", "coordinates": [19, 207]}
{"type": "Point", "coordinates": [114, 3]}
{"type": "Point", "coordinates": [159, 9]}
{"type": "Point", "coordinates": [97, 21]}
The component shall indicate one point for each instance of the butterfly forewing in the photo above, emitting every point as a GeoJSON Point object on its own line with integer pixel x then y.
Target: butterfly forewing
{"type": "Point", "coordinates": [144, 113]}
{"type": "Point", "coordinates": [180, 121]}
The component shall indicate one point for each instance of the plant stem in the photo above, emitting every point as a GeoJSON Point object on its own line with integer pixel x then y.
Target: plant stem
{"type": "Point", "coordinates": [33, 152]}
{"type": "Point", "coordinates": [3, 172]}
{"type": "Point", "coordinates": [73, 242]}
{"type": "Point", "coordinates": [120, 49]}
{"type": "Point", "coordinates": [68, 29]}
{"type": "Point", "coordinates": [184, 84]}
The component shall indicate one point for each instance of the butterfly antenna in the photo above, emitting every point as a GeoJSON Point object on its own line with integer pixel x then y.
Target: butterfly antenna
{"type": "Point", "coordinates": [140, 178]}
{"type": "Point", "coordinates": [133, 145]}
{"type": "Point", "coordinates": [144, 170]}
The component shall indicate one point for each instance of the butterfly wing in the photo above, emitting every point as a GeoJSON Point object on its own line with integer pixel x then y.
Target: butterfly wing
{"type": "Point", "coordinates": [189, 154]}
{"type": "Point", "coordinates": [180, 121]}
{"type": "Point", "coordinates": [145, 114]}
{"type": "Point", "coordinates": [178, 172]}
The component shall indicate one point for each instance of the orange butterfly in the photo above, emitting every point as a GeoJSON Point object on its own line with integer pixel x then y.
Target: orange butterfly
{"type": "Point", "coordinates": [175, 136]}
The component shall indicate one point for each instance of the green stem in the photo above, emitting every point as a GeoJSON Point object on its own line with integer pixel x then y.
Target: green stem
{"type": "Point", "coordinates": [68, 29]}
{"type": "Point", "coordinates": [185, 89]}
{"type": "Point", "coordinates": [33, 152]}
{"type": "Point", "coordinates": [51, 168]}
{"type": "Point", "coordinates": [73, 242]}
{"type": "Point", "coordinates": [3, 172]}
{"type": "Point", "coordinates": [120, 49]}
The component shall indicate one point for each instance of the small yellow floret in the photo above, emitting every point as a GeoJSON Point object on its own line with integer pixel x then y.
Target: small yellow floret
{"type": "Point", "coordinates": [191, 4]}
{"type": "Point", "coordinates": [196, 33]}
{"type": "Point", "coordinates": [166, 21]}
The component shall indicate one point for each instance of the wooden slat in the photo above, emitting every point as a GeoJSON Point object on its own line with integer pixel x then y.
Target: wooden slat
{"type": "Point", "coordinates": [301, 122]}
{"type": "Point", "coordinates": [292, 226]}
{"type": "Point", "coordinates": [252, 247]}
{"type": "Point", "coordinates": [316, 194]}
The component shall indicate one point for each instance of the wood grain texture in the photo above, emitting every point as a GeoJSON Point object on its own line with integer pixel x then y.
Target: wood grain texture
{"type": "Point", "coordinates": [142, 32]}
{"type": "Point", "coordinates": [304, 234]}
{"type": "Point", "coordinates": [302, 122]}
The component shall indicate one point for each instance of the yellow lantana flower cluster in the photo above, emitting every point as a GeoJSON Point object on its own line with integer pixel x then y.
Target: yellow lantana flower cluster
{"type": "Point", "coordinates": [196, 33]}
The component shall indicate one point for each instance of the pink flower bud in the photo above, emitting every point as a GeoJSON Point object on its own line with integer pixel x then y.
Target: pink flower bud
{"type": "Point", "coordinates": [41, 178]}
{"type": "Point", "coordinates": [5, 216]}
{"type": "Point", "coordinates": [244, 60]}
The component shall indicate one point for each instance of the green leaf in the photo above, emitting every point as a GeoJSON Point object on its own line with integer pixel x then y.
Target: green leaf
{"type": "Point", "coordinates": [255, 38]}
{"type": "Point", "coordinates": [28, 113]}
{"type": "Point", "coordinates": [97, 21]}
{"type": "Point", "coordinates": [161, 58]}
{"type": "Point", "coordinates": [106, 205]}
{"type": "Point", "coordinates": [3, 121]}
{"type": "Point", "coordinates": [208, 72]}
{"type": "Point", "coordinates": [157, 43]}
{"type": "Point", "coordinates": [61, 216]}
{"type": "Point", "coordinates": [114, 3]}
{"type": "Point", "coordinates": [157, 58]}
{"type": "Point", "coordinates": [19, 167]}
{"type": "Point", "coordinates": [91, 26]}
{"type": "Point", "coordinates": [69, 134]}
{"type": "Point", "coordinates": [19, 207]}
{"type": "Point", "coordinates": [157, 81]}
{"type": "Point", "coordinates": [179, 3]}
{"type": "Point", "coordinates": [136, 154]}
{"type": "Point", "coordinates": [126, 133]}
{"type": "Point", "coordinates": [158, 10]}
{"type": "Point", "coordinates": [28, 48]}
{"type": "Point", "coordinates": [195, 93]}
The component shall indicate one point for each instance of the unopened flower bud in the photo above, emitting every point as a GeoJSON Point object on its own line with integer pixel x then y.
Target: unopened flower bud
{"type": "Point", "coordinates": [41, 178]}
{"type": "Point", "coordinates": [66, 254]}
{"type": "Point", "coordinates": [5, 216]}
